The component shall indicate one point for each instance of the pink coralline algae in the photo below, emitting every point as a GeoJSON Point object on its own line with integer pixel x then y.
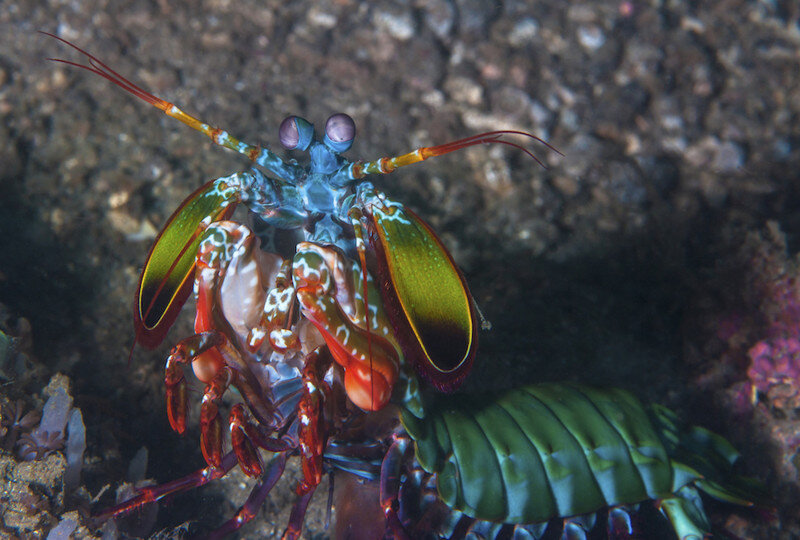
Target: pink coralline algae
{"type": "Point", "coordinates": [775, 372]}
{"type": "Point", "coordinates": [766, 335]}
{"type": "Point", "coordinates": [782, 306]}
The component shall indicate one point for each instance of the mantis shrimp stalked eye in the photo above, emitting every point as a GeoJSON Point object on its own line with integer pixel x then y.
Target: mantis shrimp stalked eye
{"type": "Point", "coordinates": [295, 133]}
{"type": "Point", "coordinates": [340, 131]}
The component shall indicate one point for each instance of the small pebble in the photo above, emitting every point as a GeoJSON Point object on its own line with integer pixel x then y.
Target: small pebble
{"type": "Point", "coordinates": [399, 26]}
{"type": "Point", "coordinates": [524, 32]}
{"type": "Point", "coordinates": [591, 37]}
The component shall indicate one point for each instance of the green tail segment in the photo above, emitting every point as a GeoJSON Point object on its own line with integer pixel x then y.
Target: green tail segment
{"type": "Point", "coordinates": [563, 450]}
{"type": "Point", "coordinates": [706, 460]}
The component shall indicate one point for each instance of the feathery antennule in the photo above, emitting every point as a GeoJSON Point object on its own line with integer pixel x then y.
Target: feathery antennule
{"type": "Point", "coordinates": [488, 138]}
{"type": "Point", "coordinates": [98, 67]}
{"type": "Point", "coordinates": [388, 164]}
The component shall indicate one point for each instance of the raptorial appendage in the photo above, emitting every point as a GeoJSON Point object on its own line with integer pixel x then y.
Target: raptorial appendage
{"type": "Point", "coordinates": [333, 295]}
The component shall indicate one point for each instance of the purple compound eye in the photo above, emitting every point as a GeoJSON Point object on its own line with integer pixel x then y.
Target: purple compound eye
{"type": "Point", "coordinates": [340, 130]}
{"type": "Point", "coordinates": [295, 133]}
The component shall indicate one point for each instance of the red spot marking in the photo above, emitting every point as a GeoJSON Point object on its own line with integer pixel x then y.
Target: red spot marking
{"type": "Point", "coordinates": [253, 153]}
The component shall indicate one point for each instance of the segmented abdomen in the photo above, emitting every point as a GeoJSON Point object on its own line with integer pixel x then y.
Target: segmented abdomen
{"type": "Point", "coordinates": [541, 451]}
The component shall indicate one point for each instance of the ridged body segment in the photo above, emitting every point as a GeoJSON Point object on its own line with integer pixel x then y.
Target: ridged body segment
{"type": "Point", "coordinates": [541, 451]}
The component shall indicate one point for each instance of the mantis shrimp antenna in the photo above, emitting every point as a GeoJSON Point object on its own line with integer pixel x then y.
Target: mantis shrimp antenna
{"type": "Point", "coordinates": [98, 67]}
{"type": "Point", "coordinates": [388, 164]}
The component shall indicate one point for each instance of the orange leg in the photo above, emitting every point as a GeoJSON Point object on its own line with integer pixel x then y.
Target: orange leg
{"type": "Point", "coordinates": [151, 494]}
{"type": "Point", "coordinates": [184, 353]}
{"type": "Point", "coordinates": [210, 420]}
{"type": "Point", "coordinates": [312, 432]}
{"type": "Point", "coordinates": [246, 452]}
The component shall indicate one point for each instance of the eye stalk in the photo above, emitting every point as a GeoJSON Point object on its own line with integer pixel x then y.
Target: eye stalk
{"type": "Point", "coordinates": [296, 133]}
{"type": "Point", "coordinates": [340, 130]}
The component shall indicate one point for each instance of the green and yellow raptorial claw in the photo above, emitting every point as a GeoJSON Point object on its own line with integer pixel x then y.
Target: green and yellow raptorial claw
{"type": "Point", "coordinates": [424, 293]}
{"type": "Point", "coordinates": [168, 273]}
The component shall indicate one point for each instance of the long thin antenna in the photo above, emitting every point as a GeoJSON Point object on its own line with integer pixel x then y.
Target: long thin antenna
{"type": "Point", "coordinates": [388, 164]}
